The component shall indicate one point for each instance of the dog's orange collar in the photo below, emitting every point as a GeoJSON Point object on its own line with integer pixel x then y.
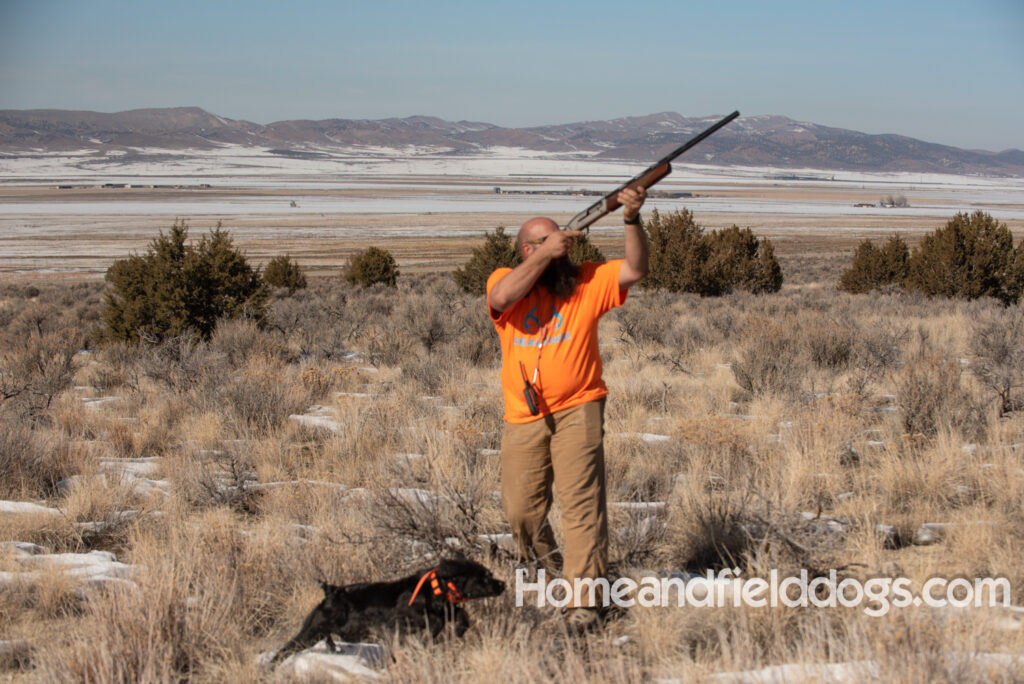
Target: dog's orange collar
{"type": "Point", "coordinates": [451, 594]}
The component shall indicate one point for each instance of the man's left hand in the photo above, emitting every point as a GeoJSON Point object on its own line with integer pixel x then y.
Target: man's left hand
{"type": "Point", "coordinates": [631, 199]}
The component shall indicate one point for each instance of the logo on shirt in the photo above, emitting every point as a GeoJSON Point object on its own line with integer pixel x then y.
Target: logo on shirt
{"type": "Point", "coordinates": [532, 325]}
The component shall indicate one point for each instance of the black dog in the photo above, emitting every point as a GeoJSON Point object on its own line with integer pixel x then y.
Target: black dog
{"type": "Point", "coordinates": [426, 600]}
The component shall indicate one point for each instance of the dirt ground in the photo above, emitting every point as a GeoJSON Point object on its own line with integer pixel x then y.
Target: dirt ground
{"type": "Point", "coordinates": [809, 247]}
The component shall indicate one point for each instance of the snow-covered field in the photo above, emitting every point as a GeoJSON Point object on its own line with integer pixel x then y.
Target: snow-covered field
{"type": "Point", "coordinates": [260, 195]}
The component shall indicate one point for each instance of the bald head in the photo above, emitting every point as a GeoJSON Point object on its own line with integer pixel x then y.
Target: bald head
{"type": "Point", "coordinates": [534, 229]}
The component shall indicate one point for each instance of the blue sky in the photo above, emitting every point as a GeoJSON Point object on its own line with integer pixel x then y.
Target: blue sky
{"type": "Point", "coordinates": [942, 71]}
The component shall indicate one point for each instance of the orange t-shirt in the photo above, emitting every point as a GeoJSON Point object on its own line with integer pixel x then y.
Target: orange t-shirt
{"type": "Point", "coordinates": [564, 332]}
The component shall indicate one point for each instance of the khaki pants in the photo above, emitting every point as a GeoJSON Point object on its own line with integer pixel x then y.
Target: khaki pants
{"type": "Point", "coordinates": [565, 448]}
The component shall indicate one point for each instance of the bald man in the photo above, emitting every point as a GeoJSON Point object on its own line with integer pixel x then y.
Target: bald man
{"type": "Point", "coordinates": [546, 311]}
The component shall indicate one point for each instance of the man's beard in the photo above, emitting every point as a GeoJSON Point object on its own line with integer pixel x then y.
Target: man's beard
{"type": "Point", "coordinates": [559, 278]}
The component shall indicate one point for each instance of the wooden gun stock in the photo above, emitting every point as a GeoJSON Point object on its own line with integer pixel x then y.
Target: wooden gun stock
{"type": "Point", "coordinates": [650, 176]}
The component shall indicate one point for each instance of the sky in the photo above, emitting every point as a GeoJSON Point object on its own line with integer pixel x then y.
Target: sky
{"type": "Point", "coordinates": [944, 71]}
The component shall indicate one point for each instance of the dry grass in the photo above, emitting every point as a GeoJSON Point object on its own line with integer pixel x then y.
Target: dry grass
{"type": "Point", "coordinates": [782, 412]}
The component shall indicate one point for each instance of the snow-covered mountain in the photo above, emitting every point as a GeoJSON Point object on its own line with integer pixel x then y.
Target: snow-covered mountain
{"type": "Point", "coordinates": [775, 141]}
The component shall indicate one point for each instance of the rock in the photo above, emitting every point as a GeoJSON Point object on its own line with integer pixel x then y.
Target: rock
{"type": "Point", "coordinates": [137, 467]}
{"type": "Point", "coordinates": [317, 422]}
{"type": "Point", "coordinates": [99, 402]}
{"type": "Point", "coordinates": [644, 506]}
{"type": "Point", "coordinates": [932, 533]}
{"type": "Point", "coordinates": [890, 537]}
{"type": "Point", "coordinates": [93, 570]}
{"type": "Point", "coordinates": [856, 671]}
{"type": "Point", "coordinates": [648, 437]}
{"type": "Point", "coordinates": [26, 508]}
{"type": "Point", "coordinates": [320, 663]}
{"type": "Point", "coordinates": [837, 525]}
{"type": "Point", "coordinates": [502, 540]}
{"type": "Point", "coordinates": [17, 548]}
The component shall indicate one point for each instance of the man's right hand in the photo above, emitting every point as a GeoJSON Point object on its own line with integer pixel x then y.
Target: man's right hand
{"type": "Point", "coordinates": [558, 243]}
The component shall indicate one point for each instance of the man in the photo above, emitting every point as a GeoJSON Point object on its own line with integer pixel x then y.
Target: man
{"type": "Point", "coordinates": [546, 311]}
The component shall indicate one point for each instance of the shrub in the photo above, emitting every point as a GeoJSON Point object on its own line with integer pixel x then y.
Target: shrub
{"type": "Point", "coordinates": [1015, 273]}
{"type": "Point", "coordinates": [177, 288]}
{"type": "Point", "coordinates": [931, 396]}
{"type": "Point", "coordinates": [498, 250]}
{"type": "Point", "coordinates": [281, 271]}
{"type": "Point", "coordinates": [770, 360]}
{"type": "Point", "coordinates": [372, 265]}
{"type": "Point", "coordinates": [997, 341]}
{"type": "Point", "coordinates": [971, 257]}
{"type": "Point", "coordinates": [35, 369]}
{"type": "Point", "coordinates": [876, 268]}
{"type": "Point", "coordinates": [685, 259]}
{"type": "Point", "coordinates": [585, 250]}
{"type": "Point", "coordinates": [739, 260]}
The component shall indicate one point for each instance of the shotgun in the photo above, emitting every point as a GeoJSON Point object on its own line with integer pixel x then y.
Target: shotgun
{"type": "Point", "coordinates": [645, 179]}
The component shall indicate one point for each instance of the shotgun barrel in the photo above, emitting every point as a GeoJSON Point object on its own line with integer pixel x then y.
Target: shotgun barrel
{"type": "Point", "coordinates": [645, 179]}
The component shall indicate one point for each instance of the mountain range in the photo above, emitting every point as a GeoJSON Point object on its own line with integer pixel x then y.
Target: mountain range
{"type": "Point", "coordinates": [766, 140]}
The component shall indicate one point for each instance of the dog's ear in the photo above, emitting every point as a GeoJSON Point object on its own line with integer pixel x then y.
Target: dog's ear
{"type": "Point", "coordinates": [324, 586]}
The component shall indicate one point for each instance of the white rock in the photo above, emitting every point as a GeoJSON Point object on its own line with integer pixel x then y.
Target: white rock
{"type": "Point", "coordinates": [139, 467]}
{"type": "Point", "coordinates": [648, 437]}
{"type": "Point", "coordinates": [316, 422]}
{"type": "Point", "coordinates": [99, 402]}
{"type": "Point", "coordinates": [409, 458]}
{"type": "Point", "coordinates": [856, 671]}
{"type": "Point", "coordinates": [26, 508]}
{"type": "Point", "coordinates": [348, 662]}
{"type": "Point", "coordinates": [103, 583]}
{"type": "Point", "coordinates": [490, 452]}
{"type": "Point", "coordinates": [887, 533]}
{"type": "Point", "coordinates": [503, 540]}
{"type": "Point", "coordinates": [834, 524]}
{"type": "Point", "coordinates": [96, 569]}
{"type": "Point", "coordinates": [422, 497]}
{"type": "Point", "coordinates": [646, 506]}
{"type": "Point", "coordinates": [258, 486]}
{"type": "Point", "coordinates": [70, 560]}
{"type": "Point", "coordinates": [931, 533]}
